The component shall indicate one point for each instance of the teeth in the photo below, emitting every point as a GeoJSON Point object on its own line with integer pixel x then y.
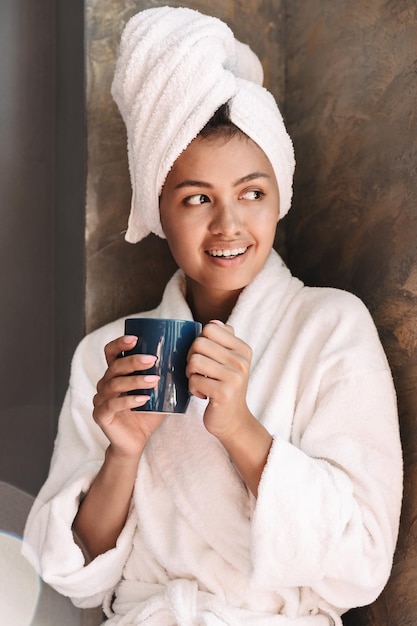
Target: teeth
{"type": "Point", "coordinates": [228, 253]}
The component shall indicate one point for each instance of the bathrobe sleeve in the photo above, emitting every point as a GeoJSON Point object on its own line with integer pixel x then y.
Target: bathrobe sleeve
{"type": "Point", "coordinates": [78, 455]}
{"type": "Point", "coordinates": [328, 508]}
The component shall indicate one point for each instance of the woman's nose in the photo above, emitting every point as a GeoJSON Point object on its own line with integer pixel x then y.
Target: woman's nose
{"type": "Point", "coordinates": [226, 220]}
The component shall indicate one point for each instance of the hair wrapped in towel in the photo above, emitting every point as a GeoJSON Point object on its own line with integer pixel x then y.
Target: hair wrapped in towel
{"type": "Point", "coordinates": [176, 67]}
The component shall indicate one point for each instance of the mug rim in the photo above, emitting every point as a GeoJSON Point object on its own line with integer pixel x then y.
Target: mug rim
{"type": "Point", "coordinates": [162, 319]}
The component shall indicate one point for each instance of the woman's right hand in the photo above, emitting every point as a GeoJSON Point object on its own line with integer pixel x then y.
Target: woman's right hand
{"type": "Point", "coordinates": [128, 431]}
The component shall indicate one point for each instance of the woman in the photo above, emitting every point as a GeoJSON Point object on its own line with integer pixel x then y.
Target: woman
{"type": "Point", "coordinates": [275, 499]}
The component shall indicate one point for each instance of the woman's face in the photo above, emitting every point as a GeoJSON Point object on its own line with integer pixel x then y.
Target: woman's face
{"type": "Point", "coordinates": [219, 208]}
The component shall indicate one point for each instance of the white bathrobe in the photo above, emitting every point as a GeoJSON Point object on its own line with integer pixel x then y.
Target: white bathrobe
{"type": "Point", "coordinates": [197, 548]}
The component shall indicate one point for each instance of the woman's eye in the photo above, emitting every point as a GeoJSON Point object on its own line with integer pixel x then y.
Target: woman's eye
{"type": "Point", "coordinates": [199, 198]}
{"type": "Point", "coordinates": [253, 194]}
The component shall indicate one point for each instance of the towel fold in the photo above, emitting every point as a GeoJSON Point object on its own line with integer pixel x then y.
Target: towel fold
{"type": "Point", "coordinates": [175, 68]}
{"type": "Point", "coordinates": [181, 603]}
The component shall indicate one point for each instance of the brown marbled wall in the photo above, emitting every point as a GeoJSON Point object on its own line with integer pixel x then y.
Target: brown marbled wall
{"type": "Point", "coordinates": [122, 278]}
{"type": "Point", "coordinates": [351, 99]}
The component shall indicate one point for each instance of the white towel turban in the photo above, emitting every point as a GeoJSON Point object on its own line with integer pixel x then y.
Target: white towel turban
{"type": "Point", "coordinates": [175, 68]}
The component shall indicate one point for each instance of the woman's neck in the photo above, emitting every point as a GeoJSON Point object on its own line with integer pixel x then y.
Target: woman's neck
{"type": "Point", "coordinates": [212, 304]}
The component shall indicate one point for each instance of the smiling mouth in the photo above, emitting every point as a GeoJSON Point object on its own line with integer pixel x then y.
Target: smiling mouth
{"type": "Point", "coordinates": [228, 253]}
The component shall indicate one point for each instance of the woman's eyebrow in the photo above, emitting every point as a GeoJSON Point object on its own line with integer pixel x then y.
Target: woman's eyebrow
{"type": "Point", "coordinates": [239, 181]}
{"type": "Point", "coordinates": [193, 183]}
{"type": "Point", "coordinates": [249, 177]}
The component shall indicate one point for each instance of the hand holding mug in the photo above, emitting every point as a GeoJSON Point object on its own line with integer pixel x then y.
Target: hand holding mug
{"type": "Point", "coordinates": [113, 405]}
{"type": "Point", "coordinates": [218, 369]}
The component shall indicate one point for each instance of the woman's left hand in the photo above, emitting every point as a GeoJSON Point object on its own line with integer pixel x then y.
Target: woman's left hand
{"type": "Point", "coordinates": [218, 369]}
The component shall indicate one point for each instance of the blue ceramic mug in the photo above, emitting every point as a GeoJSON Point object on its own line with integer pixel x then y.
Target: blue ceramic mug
{"type": "Point", "coordinates": [169, 340]}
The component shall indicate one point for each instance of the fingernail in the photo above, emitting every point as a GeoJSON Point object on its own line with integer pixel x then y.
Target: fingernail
{"type": "Point", "coordinates": [151, 378]}
{"type": "Point", "coordinates": [141, 399]}
{"type": "Point", "coordinates": [218, 322]}
{"type": "Point", "coordinates": [129, 338]}
{"type": "Point", "coordinates": [147, 358]}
